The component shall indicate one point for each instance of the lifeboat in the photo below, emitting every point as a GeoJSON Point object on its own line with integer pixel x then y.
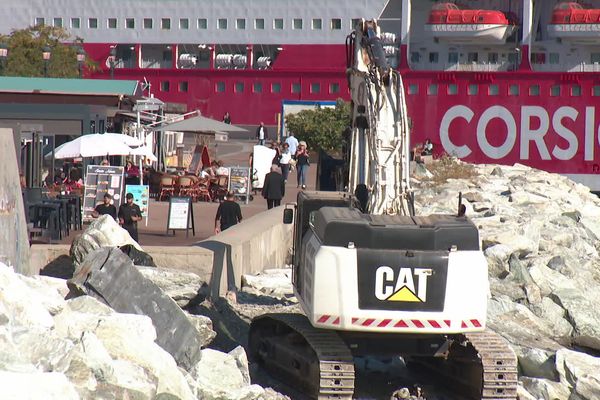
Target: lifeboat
{"type": "Point", "coordinates": [447, 22]}
{"type": "Point", "coordinates": [571, 21]}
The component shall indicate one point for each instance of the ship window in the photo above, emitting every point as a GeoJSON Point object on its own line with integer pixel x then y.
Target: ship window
{"type": "Point", "coordinates": [336, 24]}
{"type": "Point", "coordinates": [596, 91]}
{"type": "Point", "coordinates": [595, 58]}
{"type": "Point", "coordinates": [513, 90]}
{"type": "Point", "coordinates": [184, 23]}
{"type": "Point", "coordinates": [452, 88]}
{"type": "Point", "coordinates": [259, 23]}
{"type": "Point", "coordinates": [434, 57]}
{"type": "Point", "coordinates": [75, 23]}
{"type": "Point", "coordinates": [222, 23]}
{"type": "Point", "coordinates": [239, 87]}
{"type": "Point", "coordinates": [165, 86]}
{"type": "Point", "coordinates": [296, 88]}
{"type": "Point", "coordinates": [415, 56]}
{"type": "Point", "coordinates": [240, 23]}
{"type": "Point", "coordinates": [315, 87]}
{"type": "Point", "coordinates": [413, 88]}
{"type": "Point", "coordinates": [202, 23]}
{"type": "Point", "coordinates": [334, 88]}
{"type": "Point", "coordinates": [93, 23]}
{"type": "Point", "coordinates": [275, 87]}
{"type": "Point", "coordinates": [130, 23]}
{"type": "Point", "coordinates": [354, 22]}
{"type": "Point", "coordinates": [472, 89]}
{"type": "Point", "coordinates": [554, 58]}
{"type": "Point", "coordinates": [278, 23]}
{"type": "Point", "coordinates": [493, 58]}
{"type": "Point", "coordinates": [220, 87]}
{"type": "Point", "coordinates": [555, 91]}
{"type": "Point", "coordinates": [452, 57]}
{"type": "Point", "coordinates": [317, 23]}
{"type": "Point", "coordinates": [576, 90]}
{"type": "Point", "coordinates": [58, 22]}
{"type": "Point", "coordinates": [297, 23]}
{"type": "Point", "coordinates": [493, 90]}
{"type": "Point", "coordinates": [112, 23]}
{"type": "Point", "coordinates": [40, 21]}
{"type": "Point", "coordinates": [534, 90]}
{"type": "Point", "coordinates": [183, 86]}
{"type": "Point", "coordinates": [432, 89]}
{"type": "Point", "coordinates": [148, 23]}
{"type": "Point", "coordinates": [538, 58]}
{"type": "Point", "coordinates": [257, 87]}
{"type": "Point", "coordinates": [472, 57]}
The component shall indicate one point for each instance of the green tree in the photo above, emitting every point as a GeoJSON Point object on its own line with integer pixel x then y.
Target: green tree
{"type": "Point", "coordinates": [321, 128]}
{"type": "Point", "coordinates": [25, 48]}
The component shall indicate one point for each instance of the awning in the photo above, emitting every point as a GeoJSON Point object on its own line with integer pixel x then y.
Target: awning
{"type": "Point", "coordinates": [200, 124]}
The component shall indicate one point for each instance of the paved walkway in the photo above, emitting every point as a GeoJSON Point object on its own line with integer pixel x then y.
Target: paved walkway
{"type": "Point", "coordinates": [232, 153]}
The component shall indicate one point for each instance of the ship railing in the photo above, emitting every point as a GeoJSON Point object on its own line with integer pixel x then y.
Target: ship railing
{"type": "Point", "coordinates": [580, 67]}
{"type": "Point", "coordinates": [469, 67]}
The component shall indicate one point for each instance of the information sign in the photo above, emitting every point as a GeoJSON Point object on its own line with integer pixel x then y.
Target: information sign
{"type": "Point", "coordinates": [99, 180]}
{"type": "Point", "coordinates": [181, 215]}
{"type": "Point", "coordinates": [141, 197]}
{"type": "Point", "coordinates": [239, 182]}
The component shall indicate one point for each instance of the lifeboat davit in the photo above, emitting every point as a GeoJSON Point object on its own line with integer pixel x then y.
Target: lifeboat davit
{"type": "Point", "coordinates": [571, 21]}
{"type": "Point", "coordinates": [448, 22]}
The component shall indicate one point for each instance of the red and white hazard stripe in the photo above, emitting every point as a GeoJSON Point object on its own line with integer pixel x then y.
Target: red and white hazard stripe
{"type": "Point", "coordinates": [471, 323]}
{"type": "Point", "coordinates": [328, 319]}
{"type": "Point", "coordinates": [402, 323]}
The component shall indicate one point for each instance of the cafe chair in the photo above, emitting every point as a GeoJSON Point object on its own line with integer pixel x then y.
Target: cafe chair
{"type": "Point", "coordinates": [168, 185]}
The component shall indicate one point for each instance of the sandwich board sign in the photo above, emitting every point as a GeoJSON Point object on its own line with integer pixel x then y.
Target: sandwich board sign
{"type": "Point", "coordinates": [181, 215]}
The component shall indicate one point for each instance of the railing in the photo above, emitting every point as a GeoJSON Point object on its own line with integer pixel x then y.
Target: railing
{"type": "Point", "coordinates": [581, 67]}
{"type": "Point", "coordinates": [472, 67]}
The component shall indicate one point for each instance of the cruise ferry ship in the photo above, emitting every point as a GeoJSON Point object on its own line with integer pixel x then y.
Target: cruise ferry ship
{"type": "Point", "coordinates": [490, 81]}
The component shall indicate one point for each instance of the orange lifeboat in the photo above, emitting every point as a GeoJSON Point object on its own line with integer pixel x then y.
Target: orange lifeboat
{"type": "Point", "coordinates": [571, 21]}
{"type": "Point", "coordinates": [447, 21]}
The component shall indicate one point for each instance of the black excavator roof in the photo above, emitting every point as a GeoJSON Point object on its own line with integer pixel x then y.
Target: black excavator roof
{"type": "Point", "coordinates": [338, 226]}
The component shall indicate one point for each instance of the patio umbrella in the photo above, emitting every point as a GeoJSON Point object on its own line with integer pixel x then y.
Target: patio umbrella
{"type": "Point", "coordinates": [128, 140]}
{"type": "Point", "coordinates": [200, 124]}
{"type": "Point", "coordinates": [143, 151]}
{"type": "Point", "coordinates": [93, 145]}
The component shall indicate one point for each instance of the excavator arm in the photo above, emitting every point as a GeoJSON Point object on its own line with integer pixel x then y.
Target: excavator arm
{"type": "Point", "coordinates": [379, 155]}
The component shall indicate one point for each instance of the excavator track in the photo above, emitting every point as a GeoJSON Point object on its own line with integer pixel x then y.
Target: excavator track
{"type": "Point", "coordinates": [479, 365]}
{"type": "Point", "coordinates": [314, 361]}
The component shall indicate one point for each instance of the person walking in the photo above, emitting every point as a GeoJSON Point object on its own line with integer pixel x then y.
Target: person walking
{"type": "Point", "coordinates": [302, 163]}
{"type": "Point", "coordinates": [129, 215]}
{"type": "Point", "coordinates": [105, 208]}
{"type": "Point", "coordinates": [292, 143]}
{"type": "Point", "coordinates": [284, 161]}
{"type": "Point", "coordinates": [228, 214]}
{"type": "Point", "coordinates": [273, 188]}
{"type": "Point", "coordinates": [262, 134]}
{"type": "Point", "coordinates": [227, 118]}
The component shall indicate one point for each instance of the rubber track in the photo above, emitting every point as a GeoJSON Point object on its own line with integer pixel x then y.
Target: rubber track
{"type": "Point", "coordinates": [500, 376]}
{"type": "Point", "coordinates": [336, 365]}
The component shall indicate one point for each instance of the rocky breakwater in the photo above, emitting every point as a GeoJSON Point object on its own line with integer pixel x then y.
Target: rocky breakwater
{"type": "Point", "coordinates": [540, 233]}
{"type": "Point", "coordinates": [52, 348]}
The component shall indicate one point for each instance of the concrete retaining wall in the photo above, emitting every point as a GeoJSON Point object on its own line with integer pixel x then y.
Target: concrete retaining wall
{"type": "Point", "coordinates": [258, 242]}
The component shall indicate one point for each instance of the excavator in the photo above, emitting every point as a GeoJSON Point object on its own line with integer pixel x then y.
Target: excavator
{"type": "Point", "coordinates": [373, 278]}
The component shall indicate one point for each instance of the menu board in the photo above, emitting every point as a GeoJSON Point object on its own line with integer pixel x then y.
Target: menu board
{"type": "Point", "coordinates": [239, 181]}
{"type": "Point", "coordinates": [181, 215]}
{"type": "Point", "coordinates": [98, 181]}
{"type": "Point", "coordinates": [141, 197]}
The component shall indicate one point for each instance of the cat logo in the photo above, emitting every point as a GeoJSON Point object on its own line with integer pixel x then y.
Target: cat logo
{"type": "Point", "coordinates": [401, 288]}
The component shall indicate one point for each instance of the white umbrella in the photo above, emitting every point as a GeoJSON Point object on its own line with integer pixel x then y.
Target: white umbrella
{"type": "Point", "coordinates": [143, 151]}
{"type": "Point", "coordinates": [92, 145]}
{"type": "Point", "coordinates": [128, 140]}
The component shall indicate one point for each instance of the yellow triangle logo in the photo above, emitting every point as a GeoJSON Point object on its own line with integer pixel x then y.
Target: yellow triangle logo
{"type": "Point", "coordinates": [405, 294]}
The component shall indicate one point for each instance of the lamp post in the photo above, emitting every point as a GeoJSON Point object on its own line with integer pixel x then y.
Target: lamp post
{"type": "Point", "coordinates": [80, 60]}
{"type": "Point", "coordinates": [46, 54]}
{"type": "Point", "coordinates": [111, 61]}
{"type": "Point", "coordinates": [3, 56]}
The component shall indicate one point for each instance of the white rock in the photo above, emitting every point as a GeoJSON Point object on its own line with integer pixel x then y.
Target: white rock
{"type": "Point", "coordinates": [217, 375]}
{"type": "Point", "coordinates": [580, 372]}
{"type": "Point", "coordinates": [36, 386]}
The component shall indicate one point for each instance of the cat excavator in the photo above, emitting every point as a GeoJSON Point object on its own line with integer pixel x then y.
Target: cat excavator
{"type": "Point", "coordinates": [373, 278]}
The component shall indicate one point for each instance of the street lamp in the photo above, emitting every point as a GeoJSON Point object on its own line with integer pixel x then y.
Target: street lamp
{"type": "Point", "coordinates": [80, 60]}
{"type": "Point", "coordinates": [46, 53]}
{"type": "Point", "coordinates": [111, 60]}
{"type": "Point", "coordinates": [3, 56]}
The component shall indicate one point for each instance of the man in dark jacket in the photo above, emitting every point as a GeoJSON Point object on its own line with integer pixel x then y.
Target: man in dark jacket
{"type": "Point", "coordinates": [228, 214]}
{"type": "Point", "coordinates": [262, 134]}
{"type": "Point", "coordinates": [274, 187]}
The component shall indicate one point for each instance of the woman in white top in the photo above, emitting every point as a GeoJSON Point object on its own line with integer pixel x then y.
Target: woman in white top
{"type": "Point", "coordinates": [284, 161]}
